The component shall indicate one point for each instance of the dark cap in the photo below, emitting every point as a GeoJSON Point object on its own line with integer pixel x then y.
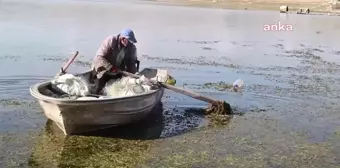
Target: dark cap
{"type": "Point", "coordinates": [128, 33]}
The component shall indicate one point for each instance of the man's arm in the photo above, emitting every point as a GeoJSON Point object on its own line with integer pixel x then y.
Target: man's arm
{"type": "Point", "coordinates": [101, 63]}
{"type": "Point", "coordinates": [131, 60]}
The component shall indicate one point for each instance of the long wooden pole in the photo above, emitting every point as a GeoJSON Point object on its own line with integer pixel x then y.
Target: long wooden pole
{"type": "Point", "coordinates": [179, 90]}
{"type": "Point", "coordinates": [190, 94]}
{"type": "Point", "coordinates": [68, 63]}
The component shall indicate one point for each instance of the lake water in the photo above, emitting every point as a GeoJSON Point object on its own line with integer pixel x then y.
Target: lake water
{"type": "Point", "coordinates": [290, 98]}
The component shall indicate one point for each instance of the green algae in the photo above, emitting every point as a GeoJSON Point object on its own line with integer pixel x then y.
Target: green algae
{"type": "Point", "coordinates": [15, 148]}
{"type": "Point", "coordinates": [102, 152]}
{"type": "Point", "coordinates": [215, 120]}
{"type": "Point", "coordinates": [78, 62]}
{"type": "Point", "coordinates": [86, 151]}
{"type": "Point", "coordinates": [121, 146]}
{"type": "Point", "coordinates": [258, 110]}
{"type": "Point", "coordinates": [10, 57]}
{"type": "Point", "coordinates": [201, 148]}
{"type": "Point", "coordinates": [219, 120]}
{"type": "Point", "coordinates": [206, 149]}
{"type": "Point", "coordinates": [193, 61]}
{"type": "Point", "coordinates": [17, 103]}
{"type": "Point", "coordinates": [220, 86]}
{"type": "Point", "coordinates": [11, 102]}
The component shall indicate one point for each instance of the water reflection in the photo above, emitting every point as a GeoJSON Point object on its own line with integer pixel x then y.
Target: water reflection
{"type": "Point", "coordinates": [149, 128]}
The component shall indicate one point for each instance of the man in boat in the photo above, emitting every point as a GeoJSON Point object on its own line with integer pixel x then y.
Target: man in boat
{"type": "Point", "coordinates": [117, 52]}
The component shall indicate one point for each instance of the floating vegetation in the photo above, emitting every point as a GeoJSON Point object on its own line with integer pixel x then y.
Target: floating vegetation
{"type": "Point", "coordinates": [16, 103]}
{"type": "Point", "coordinates": [199, 42]}
{"type": "Point", "coordinates": [216, 114]}
{"type": "Point", "coordinates": [76, 62]}
{"type": "Point", "coordinates": [221, 86]}
{"type": "Point", "coordinates": [305, 54]}
{"type": "Point", "coordinates": [82, 63]}
{"type": "Point", "coordinates": [196, 61]}
{"type": "Point", "coordinates": [336, 52]}
{"type": "Point", "coordinates": [85, 151]}
{"type": "Point", "coordinates": [207, 48]}
{"type": "Point", "coordinates": [222, 108]}
{"type": "Point", "coordinates": [258, 110]}
{"type": "Point", "coordinates": [10, 57]}
{"type": "Point", "coordinates": [219, 120]}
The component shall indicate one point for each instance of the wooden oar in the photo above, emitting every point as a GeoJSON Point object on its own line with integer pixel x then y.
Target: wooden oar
{"type": "Point", "coordinates": [63, 71]}
{"type": "Point", "coordinates": [220, 106]}
{"type": "Point", "coordinates": [68, 63]}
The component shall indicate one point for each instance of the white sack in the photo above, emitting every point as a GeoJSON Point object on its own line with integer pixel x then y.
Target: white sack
{"type": "Point", "coordinates": [72, 85]}
{"type": "Point", "coordinates": [160, 75]}
{"type": "Point", "coordinates": [127, 86]}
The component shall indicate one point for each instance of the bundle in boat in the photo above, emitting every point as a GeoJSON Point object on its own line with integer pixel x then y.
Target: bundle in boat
{"type": "Point", "coordinates": [127, 86]}
{"type": "Point", "coordinates": [216, 107]}
{"type": "Point", "coordinates": [78, 87]}
{"type": "Point", "coordinates": [71, 86]}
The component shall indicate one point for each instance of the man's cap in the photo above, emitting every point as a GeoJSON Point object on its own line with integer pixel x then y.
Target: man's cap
{"type": "Point", "coordinates": [128, 33]}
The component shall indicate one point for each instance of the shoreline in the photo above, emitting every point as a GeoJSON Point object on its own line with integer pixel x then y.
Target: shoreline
{"type": "Point", "coordinates": [315, 7]}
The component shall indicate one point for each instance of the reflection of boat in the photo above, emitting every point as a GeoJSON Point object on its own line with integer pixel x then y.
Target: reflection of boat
{"type": "Point", "coordinates": [112, 146]}
{"type": "Point", "coordinates": [79, 116]}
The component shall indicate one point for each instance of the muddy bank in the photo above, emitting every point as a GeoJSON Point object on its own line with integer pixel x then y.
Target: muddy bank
{"type": "Point", "coordinates": [316, 6]}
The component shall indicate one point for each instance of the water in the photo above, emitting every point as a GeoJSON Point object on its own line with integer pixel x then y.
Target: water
{"type": "Point", "coordinates": [290, 100]}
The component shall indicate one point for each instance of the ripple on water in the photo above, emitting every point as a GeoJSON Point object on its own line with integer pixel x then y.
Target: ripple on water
{"type": "Point", "coordinates": [18, 86]}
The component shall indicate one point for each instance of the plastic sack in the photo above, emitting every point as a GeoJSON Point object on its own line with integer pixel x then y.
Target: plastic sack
{"type": "Point", "coordinates": [160, 75]}
{"type": "Point", "coordinates": [72, 85]}
{"type": "Point", "coordinates": [127, 86]}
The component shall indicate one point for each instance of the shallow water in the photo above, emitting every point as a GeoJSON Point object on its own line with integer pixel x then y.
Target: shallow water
{"type": "Point", "coordinates": [289, 99]}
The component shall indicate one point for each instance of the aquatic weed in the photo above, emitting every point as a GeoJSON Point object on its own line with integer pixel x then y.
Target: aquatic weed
{"type": "Point", "coordinates": [220, 86]}
{"type": "Point", "coordinates": [16, 103]}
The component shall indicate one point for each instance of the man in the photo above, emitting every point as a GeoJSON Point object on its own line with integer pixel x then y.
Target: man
{"type": "Point", "coordinates": [116, 53]}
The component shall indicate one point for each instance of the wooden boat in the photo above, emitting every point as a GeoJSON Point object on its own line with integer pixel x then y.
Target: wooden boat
{"type": "Point", "coordinates": [79, 116]}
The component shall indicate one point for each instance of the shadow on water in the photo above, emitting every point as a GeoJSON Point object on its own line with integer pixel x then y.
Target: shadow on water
{"type": "Point", "coordinates": [149, 128]}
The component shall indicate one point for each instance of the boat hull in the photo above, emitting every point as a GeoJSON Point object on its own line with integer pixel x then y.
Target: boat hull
{"type": "Point", "coordinates": [75, 119]}
{"type": "Point", "coordinates": [80, 116]}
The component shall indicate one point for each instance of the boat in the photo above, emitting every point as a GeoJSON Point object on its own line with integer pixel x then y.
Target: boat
{"type": "Point", "coordinates": [74, 116]}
